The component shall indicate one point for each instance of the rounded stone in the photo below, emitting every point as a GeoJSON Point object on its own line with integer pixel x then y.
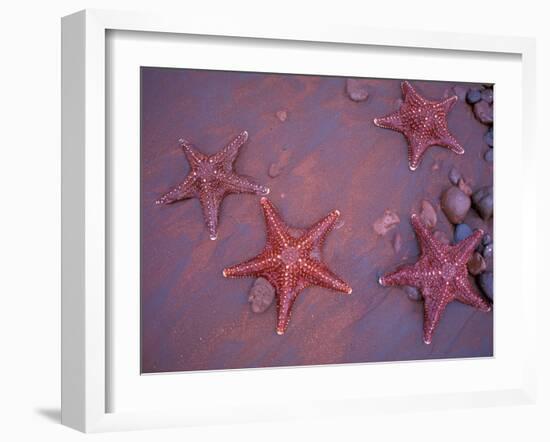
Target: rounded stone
{"type": "Point", "coordinates": [275, 170]}
{"type": "Point", "coordinates": [455, 204]}
{"type": "Point", "coordinates": [428, 216]}
{"type": "Point", "coordinates": [488, 137]}
{"type": "Point", "coordinates": [385, 223]}
{"type": "Point", "coordinates": [412, 293]}
{"type": "Point", "coordinates": [454, 176]}
{"type": "Point", "coordinates": [282, 115]}
{"type": "Point", "coordinates": [462, 185]}
{"type": "Point", "coordinates": [357, 89]}
{"type": "Point", "coordinates": [261, 295]}
{"type": "Point", "coordinates": [485, 281]}
{"type": "Point", "coordinates": [476, 264]}
{"type": "Point", "coordinates": [488, 251]}
{"type": "Point", "coordinates": [462, 231]}
{"type": "Point", "coordinates": [483, 202]}
{"type": "Point", "coordinates": [484, 112]}
{"type": "Point", "coordinates": [487, 95]}
{"type": "Point", "coordinates": [487, 254]}
{"type": "Point", "coordinates": [473, 96]}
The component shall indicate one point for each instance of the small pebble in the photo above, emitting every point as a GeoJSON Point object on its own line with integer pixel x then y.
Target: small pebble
{"type": "Point", "coordinates": [412, 293]}
{"type": "Point", "coordinates": [455, 204]}
{"type": "Point", "coordinates": [486, 239]}
{"type": "Point", "coordinates": [282, 115]}
{"type": "Point", "coordinates": [475, 222]}
{"type": "Point", "coordinates": [462, 231]}
{"type": "Point", "coordinates": [487, 95]}
{"type": "Point", "coordinates": [357, 89]}
{"type": "Point", "coordinates": [477, 264]}
{"type": "Point", "coordinates": [454, 175]}
{"type": "Point", "coordinates": [464, 187]}
{"type": "Point", "coordinates": [473, 96]}
{"type": "Point", "coordinates": [488, 156]}
{"type": "Point", "coordinates": [441, 237]}
{"type": "Point", "coordinates": [261, 295]}
{"type": "Point", "coordinates": [274, 170]}
{"type": "Point", "coordinates": [485, 281]}
{"type": "Point", "coordinates": [484, 112]}
{"type": "Point", "coordinates": [483, 202]}
{"type": "Point", "coordinates": [428, 215]}
{"type": "Point", "coordinates": [488, 251]}
{"type": "Point", "coordinates": [386, 222]}
{"type": "Point", "coordinates": [488, 137]}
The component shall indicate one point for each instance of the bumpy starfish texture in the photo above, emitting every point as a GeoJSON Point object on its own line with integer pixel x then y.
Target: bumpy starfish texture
{"type": "Point", "coordinates": [440, 274]}
{"type": "Point", "coordinates": [290, 263]}
{"type": "Point", "coordinates": [212, 178]}
{"type": "Point", "coordinates": [423, 122]}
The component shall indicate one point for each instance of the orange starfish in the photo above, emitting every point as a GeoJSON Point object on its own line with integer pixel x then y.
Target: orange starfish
{"type": "Point", "coordinates": [290, 263]}
{"type": "Point", "coordinates": [440, 274]}
{"type": "Point", "coordinates": [423, 122]}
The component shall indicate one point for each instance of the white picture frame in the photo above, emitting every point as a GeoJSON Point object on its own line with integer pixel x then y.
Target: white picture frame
{"type": "Point", "coordinates": [85, 308]}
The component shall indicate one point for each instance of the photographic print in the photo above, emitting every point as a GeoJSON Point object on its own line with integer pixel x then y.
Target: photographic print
{"type": "Point", "coordinates": [293, 220]}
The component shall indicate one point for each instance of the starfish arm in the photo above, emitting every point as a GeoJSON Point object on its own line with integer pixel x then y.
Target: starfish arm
{"type": "Point", "coordinates": [229, 153]}
{"type": "Point", "coordinates": [316, 273]}
{"type": "Point", "coordinates": [462, 252]}
{"type": "Point", "coordinates": [447, 104]}
{"type": "Point", "coordinates": [465, 293]}
{"type": "Point", "coordinates": [254, 267]}
{"type": "Point", "coordinates": [428, 244]}
{"type": "Point", "coordinates": [210, 203]}
{"type": "Point", "coordinates": [392, 121]}
{"type": "Point", "coordinates": [275, 226]}
{"type": "Point", "coordinates": [184, 190]}
{"type": "Point", "coordinates": [241, 184]}
{"type": "Point", "coordinates": [403, 275]}
{"type": "Point", "coordinates": [433, 310]}
{"type": "Point", "coordinates": [191, 153]}
{"type": "Point", "coordinates": [444, 137]}
{"type": "Point", "coordinates": [317, 233]}
{"type": "Point", "coordinates": [411, 96]}
{"type": "Point", "coordinates": [416, 150]}
{"type": "Point", "coordinates": [451, 142]}
{"type": "Point", "coordinates": [285, 301]}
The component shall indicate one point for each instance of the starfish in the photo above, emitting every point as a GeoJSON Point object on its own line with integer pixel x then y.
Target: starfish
{"type": "Point", "coordinates": [440, 274]}
{"type": "Point", "coordinates": [212, 178]}
{"type": "Point", "coordinates": [423, 122]}
{"type": "Point", "coordinates": [290, 262]}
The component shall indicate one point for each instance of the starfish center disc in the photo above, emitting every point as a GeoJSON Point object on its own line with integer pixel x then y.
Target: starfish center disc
{"type": "Point", "coordinates": [205, 170]}
{"type": "Point", "coordinates": [290, 255]}
{"type": "Point", "coordinates": [448, 271]}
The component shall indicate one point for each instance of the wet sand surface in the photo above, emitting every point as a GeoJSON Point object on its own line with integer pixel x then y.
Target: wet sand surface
{"type": "Point", "coordinates": [195, 319]}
